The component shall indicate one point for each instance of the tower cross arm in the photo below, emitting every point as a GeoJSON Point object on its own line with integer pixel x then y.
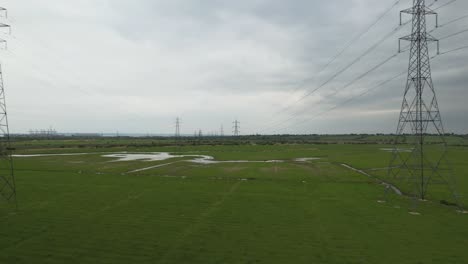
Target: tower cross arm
{"type": "Point", "coordinates": [3, 25]}
{"type": "Point", "coordinates": [425, 37]}
{"type": "Point", "coordinates": [4, 11]}
{"type": "Point", "coordinates": [416, 37]}
{"type": "Point", "coordinates": [414, 10]}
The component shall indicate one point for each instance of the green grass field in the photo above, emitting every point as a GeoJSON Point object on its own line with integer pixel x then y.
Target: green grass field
{"type": "Point", "coordinates": [89, 209]}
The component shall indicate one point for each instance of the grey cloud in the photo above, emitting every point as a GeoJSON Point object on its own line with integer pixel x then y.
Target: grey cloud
{"type": "Point", "coordinates": [106, 65]}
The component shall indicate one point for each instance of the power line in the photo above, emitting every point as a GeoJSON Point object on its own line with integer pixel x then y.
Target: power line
{"type": "Point", "coordinates": [373, 47]}
{"type": "Point", "coordinates": [359, 36]}
{"type": "Point", "coordinates": [444, 5]}
{"type": "Point", "coordinates": [454, 34]}
{"type": "Point", "coordinates": [347, 101]}
{"type": "Point", "coordinates": [360, 77]}
{"type": "Point", "coordinates": [453, 50]}
{"type": "Point", "coordinates": [454, 20]}
{"type": "Point", "coordinates": [369, 50]}
{"type": "Point", "coordinates": [377, 66]}
{"type": "Point", "coordinates": [365, 74]}
{"type": "Point", "coordinates": [348, 45]}
{"type": "Point", "coordinates": [344, 69]}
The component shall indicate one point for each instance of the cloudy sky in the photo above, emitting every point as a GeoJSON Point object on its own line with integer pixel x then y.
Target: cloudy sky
{"type": "Point", "coordinates": [134, 66]}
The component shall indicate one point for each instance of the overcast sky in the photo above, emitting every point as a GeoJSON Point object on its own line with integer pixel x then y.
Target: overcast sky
{"type": "Point", "coordinates": [134, 66]}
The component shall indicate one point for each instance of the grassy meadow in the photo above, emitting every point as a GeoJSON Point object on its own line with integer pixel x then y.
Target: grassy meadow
{"type": "Point", "coordinates": [92, 209]}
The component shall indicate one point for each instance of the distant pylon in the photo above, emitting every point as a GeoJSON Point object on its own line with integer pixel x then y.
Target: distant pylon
{"type": "Point", "coordinates": [177, 131]}
{"type": "Point", "coordinates": [236, 128]}
{"type": "Point", "coordinates": [419, 158]}
{"type": "Point", "coordinates": [7, 177]}
{"type": "Point", "coordinates": [221, 131]}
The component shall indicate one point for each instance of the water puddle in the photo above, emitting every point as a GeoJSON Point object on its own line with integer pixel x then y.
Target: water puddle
{"type": "Point", "coordinates": [161, 156]}
{"type": "Point", "coordinates": [158, 156]}
{"type": "Point", "coordinates": [397, 150]}
{"type": "Point", "coordinates": [199, 159]}
{"type": "Point", "coordinates": [388, 185]}
{"type": "Point", "coordinates": [48, 155]}
{"type": "Point", "coordinates": [151, 167]}
{"type": "Point", "coordinates": [305, 159]}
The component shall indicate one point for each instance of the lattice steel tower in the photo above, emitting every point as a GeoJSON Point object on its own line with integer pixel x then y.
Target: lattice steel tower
{"type": "Point", "coordinates": [236, 128]}
{"type": "Point", "coordinates": [7, 177]}
{"type": "Point", "coordinates": [419, 157]}
{"type": "Point", "coordinates": [177, 131]}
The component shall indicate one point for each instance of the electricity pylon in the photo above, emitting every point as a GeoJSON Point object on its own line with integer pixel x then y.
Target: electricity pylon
{"type": "Point", "coordinates": [419, 158]}
{"type": "Point", "coordinates": [7, 176]}
{"type": "Point", "coordinates": [236, 127]}
{"type": "Point", "coordinates": [221, 131]}
{"type": "Point", "coordinates": [177, 131]}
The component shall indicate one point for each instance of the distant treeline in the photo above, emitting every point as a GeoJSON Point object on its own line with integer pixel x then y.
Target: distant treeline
{"type": "Point", "coordinates": [24, 142]}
